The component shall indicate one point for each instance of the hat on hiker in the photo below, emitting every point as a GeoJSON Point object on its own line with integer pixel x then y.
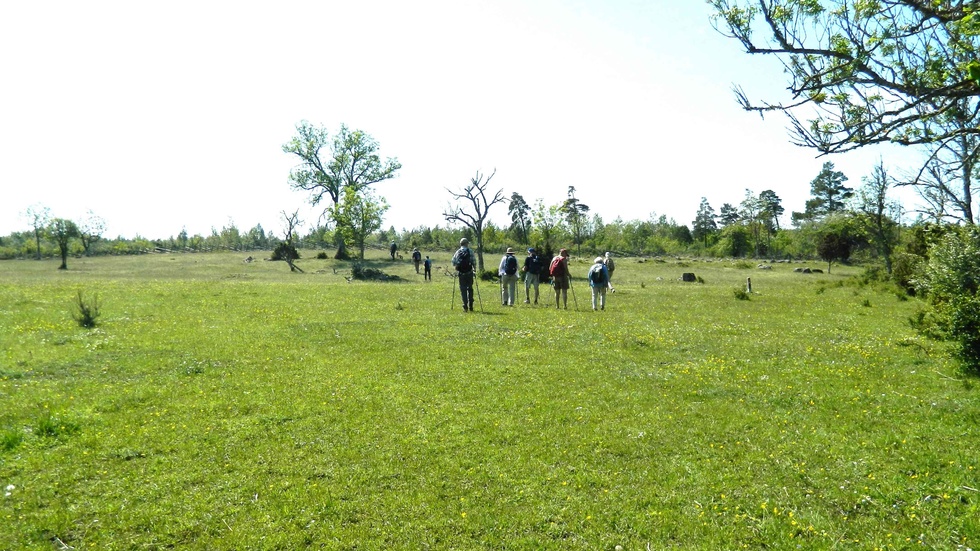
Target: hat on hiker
{"type": "Point", "coordinates": [598, 260]}
{"type": "Point", "coordinates": [464, 241]}
{"type": "Point", "coordinates": [563, 252]}
{"type": "Point", "coordinates": [509, 251]}
{"type": "Point", "coordinates": [530, 249]}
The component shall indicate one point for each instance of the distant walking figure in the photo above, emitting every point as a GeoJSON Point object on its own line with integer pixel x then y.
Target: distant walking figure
{"type": "Point", "coordinates": [465, 266]}
{"type": "Point", "coordinates": [393, 249]}
{"type": "Point", "coordinates": [598, 281]}
{"type": "Point", "coordinates": [416, 258]}
{"type": "Point", "coordinates": [428, 268]}
{"type": "Point", "coordinates": [610, 267]}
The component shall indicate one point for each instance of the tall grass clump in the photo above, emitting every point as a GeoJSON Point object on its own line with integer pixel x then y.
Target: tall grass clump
{"type": "Point", "coordinates": [10, 439]}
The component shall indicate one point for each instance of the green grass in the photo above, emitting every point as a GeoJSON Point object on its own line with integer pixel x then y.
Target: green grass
{"type": "Point", "coordinates": [223, 405]}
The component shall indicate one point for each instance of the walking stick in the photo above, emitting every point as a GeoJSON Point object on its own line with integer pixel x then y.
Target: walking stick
{"type": "Point", "coordinates": [452, 304]}
{"type": "Point", "coordinates": [573, 291]}
{"type": "Point", "coordinates": [476, 281]}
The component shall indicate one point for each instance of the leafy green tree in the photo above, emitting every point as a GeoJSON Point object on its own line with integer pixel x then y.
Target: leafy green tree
{"type": "Point", "coordinates": [327, 167]}
{"type": "Point", "coordinates": [479, 203]}
{"type": "Point", "coordinates": [520, 217]}
{"type": "Point", "coordinates": [575, 214]}
{"type": "Point", "coordinates": [358, 215]}
{"type": "Point", "coordinates": [751, 215]}
{"type": "Point", "coordinates": [90, 230]}
{"type": "Point", "coordinates": [836, 239]}
{"type": "Point", "coordinates": [771, 209]}
{"type": "Point", "coordinates": [548, 225]}
{"type": "Point", "coordinates": [39, 217]}
{"type": "Point", "coordinates": [734, 241]}
{"type": "Point", "coordinates": [62, 231]}
{"type": "Point", "coordinates": [704, 224]}
{"type": "Point", "coordinates": [863, 72]}
{"type": "Point", "coordinates": [875, 210]}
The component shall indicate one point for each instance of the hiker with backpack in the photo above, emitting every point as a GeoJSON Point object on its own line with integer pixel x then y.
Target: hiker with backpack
{"type": "Point", "coordinates": [416, 258]}
{"type": "Point", "coordinates": [508, 278]}
{"type": "Point", "coordinates": [393, 249]}
{"type": "Point", "coordinates": [533, 266]}
{"type": "Point", "coordinates": [465, 264]}
{"type": "Point", "coordinates": [560, 278]}
{"type": "Point", "coordinates": [428, 268]}
{"type": "Point", "coordinates": [598, 280]}
{"type": "Point", "coordinates": [610, 267]}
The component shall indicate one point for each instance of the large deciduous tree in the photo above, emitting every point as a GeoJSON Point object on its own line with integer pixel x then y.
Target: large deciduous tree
{"type": "Point", "coordinates": [328, 167]}
{"type": "Point", "coordinates": [477, 207]}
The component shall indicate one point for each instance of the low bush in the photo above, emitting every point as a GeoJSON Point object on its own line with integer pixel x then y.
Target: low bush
{"type": "Point", "coordinates": [86, 313]}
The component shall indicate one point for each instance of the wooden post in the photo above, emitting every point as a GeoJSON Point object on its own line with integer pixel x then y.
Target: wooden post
{"type": "Point", "coordinates": [748, 284]}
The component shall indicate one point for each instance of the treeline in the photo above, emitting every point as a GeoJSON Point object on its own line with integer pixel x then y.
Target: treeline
{"type": "Point", "coordinates": [737, 238]}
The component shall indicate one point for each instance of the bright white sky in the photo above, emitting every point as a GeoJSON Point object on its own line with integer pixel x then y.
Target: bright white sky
{"type": "Point", "coordinates": [159, 116]}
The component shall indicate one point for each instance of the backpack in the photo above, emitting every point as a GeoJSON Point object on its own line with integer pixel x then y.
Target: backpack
{"type": "Point", "coordinates": [534, 264]}
{"type": "Point", "coordinates": [416, 256]}
{"type": "Point", "coordinates": [510, 265]}
{"type": "Point", "coordinates": [557, 268]}
{"type": "Point", "coordinates": [596, 277]}
{"type": "Point", "coordinates": [463, 263]}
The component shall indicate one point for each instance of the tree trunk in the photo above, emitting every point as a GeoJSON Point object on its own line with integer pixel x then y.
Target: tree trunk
{"type": "Point", "coordinates": [341, 251]}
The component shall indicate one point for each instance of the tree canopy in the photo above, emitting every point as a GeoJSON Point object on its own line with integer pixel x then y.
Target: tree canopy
{"type": "Point", "coordinates": [328, 167]}
{"type": "Point", "coordinates": [864, 71]}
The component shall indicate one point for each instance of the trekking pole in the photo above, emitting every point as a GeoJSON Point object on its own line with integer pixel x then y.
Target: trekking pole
{"type": "Point", "coordinates": [476, 281]}
{"type": "Point", "coordinates": [452, 304]}
{"type": "Point", "coordinates": [574, 299]}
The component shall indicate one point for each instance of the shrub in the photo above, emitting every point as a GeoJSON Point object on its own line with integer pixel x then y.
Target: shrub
{"type": "Point", "coordinates": [361, 271]}
{"type": "Point", "coordinates": [950, 281]}
{"type": "Point", "coordinates": [741, 294]}
{"type": "Point", "coordinates": [904, 269]}
{"type": "Point", "coordinates": [86, 313]}
{"type": "Point", "coordinates": [285, 251]}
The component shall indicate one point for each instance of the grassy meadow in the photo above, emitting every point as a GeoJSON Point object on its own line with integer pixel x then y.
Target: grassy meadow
{"type": "Point", "coordinates": [225, 405]}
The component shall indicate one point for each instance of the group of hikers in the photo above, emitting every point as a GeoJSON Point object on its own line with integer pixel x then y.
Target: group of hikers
{"type": "Point", "coordinates": [535, 270]}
